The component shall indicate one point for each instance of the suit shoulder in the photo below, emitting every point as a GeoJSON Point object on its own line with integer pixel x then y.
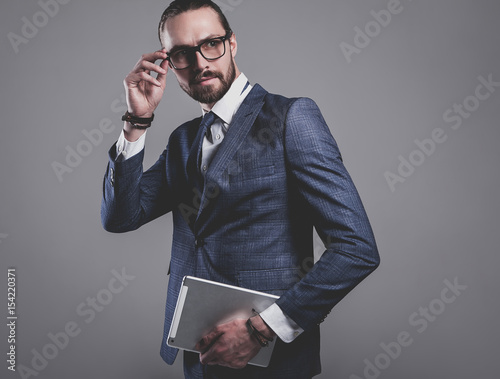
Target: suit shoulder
{"type": "Point", "coordinates": [286, 104]}
{"type": "Point", "coordinates": [290, 107]}
{"type": "Point", "coordinates": [272, 99]}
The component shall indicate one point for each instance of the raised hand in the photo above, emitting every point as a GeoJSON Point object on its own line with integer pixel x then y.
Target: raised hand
{"type": "Point", "coordinates": [143, 91]}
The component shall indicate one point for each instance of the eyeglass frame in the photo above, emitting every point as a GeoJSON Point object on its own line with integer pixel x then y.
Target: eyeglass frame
{"type": "Point", "coordinates": [193, 50]}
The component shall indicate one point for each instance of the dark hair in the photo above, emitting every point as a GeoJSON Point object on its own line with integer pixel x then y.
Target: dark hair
{"type": "Point", "coordinates": [177, 7]}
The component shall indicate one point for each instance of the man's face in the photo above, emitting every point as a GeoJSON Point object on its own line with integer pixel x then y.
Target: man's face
{"type": "Point", "coordinates": [205, 81]}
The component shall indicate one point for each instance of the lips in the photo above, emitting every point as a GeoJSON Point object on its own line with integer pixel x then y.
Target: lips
{"type": "Point", "coordinates": [205, 78]}
{"type": "Point", "coordinates": [206, 81]}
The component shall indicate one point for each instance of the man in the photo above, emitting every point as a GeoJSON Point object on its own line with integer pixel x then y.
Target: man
{"type": "Point", "coordinates": [245, 185]}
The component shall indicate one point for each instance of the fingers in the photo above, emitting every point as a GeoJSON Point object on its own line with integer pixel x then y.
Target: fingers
{"type": "Point", "coordinates": [228, 345]}
{"type": "Point", "coordinates": [153, 57]}
{"type": "Point", "coordinates": [146, 65]}
{"type": "Point", "coordinates": [162, 77]}
{"type": "Point", "coordinates": [207, 342]}
{"type": "Point", "coordinates": [219, 355]}
{"type": "Point", "coordinates": [206, 346]}
{"type": "Point", "coordinates": [209, 357]}
{"type": "Point", "coordinates": [134, 79]}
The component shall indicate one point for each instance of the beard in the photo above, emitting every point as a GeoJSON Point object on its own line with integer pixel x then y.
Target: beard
{"type": "Point", "coordinates": [207, 94]}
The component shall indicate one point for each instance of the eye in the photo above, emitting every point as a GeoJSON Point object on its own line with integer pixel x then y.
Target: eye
{"type": "Point", "coordinates": [213, 43]}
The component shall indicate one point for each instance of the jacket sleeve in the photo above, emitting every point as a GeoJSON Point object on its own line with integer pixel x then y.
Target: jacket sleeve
{"type": "Point", "coordinates": [316, 169]}
{"type": "Point", "coordinates": [131, 197]}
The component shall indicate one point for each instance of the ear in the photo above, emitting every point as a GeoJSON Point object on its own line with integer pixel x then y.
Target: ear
{"type": "Point", "coordinates": [233, 44]}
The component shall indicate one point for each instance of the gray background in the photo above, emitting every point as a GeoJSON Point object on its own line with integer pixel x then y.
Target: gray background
{"type": "Point", "coordinates": [440, 224]}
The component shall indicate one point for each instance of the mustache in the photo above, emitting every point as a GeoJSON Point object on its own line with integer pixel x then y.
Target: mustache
{"type": "Point", "coordinates": [206, 75]}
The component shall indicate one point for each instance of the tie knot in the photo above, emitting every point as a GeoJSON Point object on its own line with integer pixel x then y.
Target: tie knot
{"type": "Point", "coordinates": [206, 123]}
{"type": "Point", "coordinates": [207, 120]}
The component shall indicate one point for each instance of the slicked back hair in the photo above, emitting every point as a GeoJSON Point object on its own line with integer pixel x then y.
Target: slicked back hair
{"type": "Point", "coordinates": [177, 7]}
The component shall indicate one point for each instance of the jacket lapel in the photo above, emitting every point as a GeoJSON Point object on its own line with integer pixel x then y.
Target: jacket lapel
{"type": "Point", "coordinates": [238, 130]}
{"type": "Point", "coordinates": [192, 168]}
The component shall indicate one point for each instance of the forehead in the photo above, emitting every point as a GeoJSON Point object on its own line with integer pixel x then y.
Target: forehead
{"type": "Point", "coordinates": [191, 27]}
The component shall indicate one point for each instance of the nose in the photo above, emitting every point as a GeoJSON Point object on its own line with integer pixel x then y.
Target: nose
{"type": "Point", "coordinates": [199, 62]}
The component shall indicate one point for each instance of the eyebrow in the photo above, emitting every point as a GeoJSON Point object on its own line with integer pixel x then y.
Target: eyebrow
{"type": "Point", "coordinates": [182, 47]}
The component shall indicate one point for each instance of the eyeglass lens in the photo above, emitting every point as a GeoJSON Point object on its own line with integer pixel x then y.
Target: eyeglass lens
{"type": "Point", "coordinates": [212, 49]}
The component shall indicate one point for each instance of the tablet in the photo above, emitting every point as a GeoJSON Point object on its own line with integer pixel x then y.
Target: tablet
{"type": "Point", "coordinates": [203, 304]}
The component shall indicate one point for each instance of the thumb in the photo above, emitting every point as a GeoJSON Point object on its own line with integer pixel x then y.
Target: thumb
{"type": "Point", "coordinates": [207, 341]}
{"type": "Point", "coordinates": [162, 78]}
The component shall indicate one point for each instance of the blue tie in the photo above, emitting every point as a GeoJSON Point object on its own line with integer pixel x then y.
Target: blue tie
{"type": "Point", "coordinates": [206, 123]}
{"type": "Point", "coordinates": [194, 158]}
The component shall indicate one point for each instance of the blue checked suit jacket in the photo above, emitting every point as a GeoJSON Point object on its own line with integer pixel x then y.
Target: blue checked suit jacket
{"type": "Point", "coordinates": [277, 174]}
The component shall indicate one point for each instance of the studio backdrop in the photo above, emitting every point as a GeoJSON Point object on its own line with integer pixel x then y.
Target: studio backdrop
{"type": "Point", "coordinates": [411, 92]}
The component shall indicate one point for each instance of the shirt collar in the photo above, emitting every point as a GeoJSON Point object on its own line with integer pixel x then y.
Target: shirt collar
{"type": "Point", "coordinates": [227, 107]}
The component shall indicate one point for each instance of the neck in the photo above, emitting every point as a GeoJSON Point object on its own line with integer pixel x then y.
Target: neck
{"type": "Point", "coordinates": [207, 107]}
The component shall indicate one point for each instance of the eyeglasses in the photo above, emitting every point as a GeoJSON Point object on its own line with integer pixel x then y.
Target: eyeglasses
{"type": "Point", "coordinates": [211, 50]}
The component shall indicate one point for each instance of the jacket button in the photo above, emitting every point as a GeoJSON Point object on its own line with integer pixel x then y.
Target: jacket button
{"type": "Point", "coordinates": [199, 242]}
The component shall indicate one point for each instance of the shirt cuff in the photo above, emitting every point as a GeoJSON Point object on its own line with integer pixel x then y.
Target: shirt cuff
{"type": "Point", "coordinates": [284, 327]}
{"type": "Point", "coordinates": [126, 149]}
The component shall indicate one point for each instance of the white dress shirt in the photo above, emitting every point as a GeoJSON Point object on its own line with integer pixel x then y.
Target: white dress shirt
{"type": "Point", "coordinates": [225, 109]}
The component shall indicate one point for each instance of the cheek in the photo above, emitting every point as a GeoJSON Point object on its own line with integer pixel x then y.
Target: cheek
{"type": "Point", "coordinates": [223, 65]}
{"type": "Point", "coordinates": [182, 76]}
